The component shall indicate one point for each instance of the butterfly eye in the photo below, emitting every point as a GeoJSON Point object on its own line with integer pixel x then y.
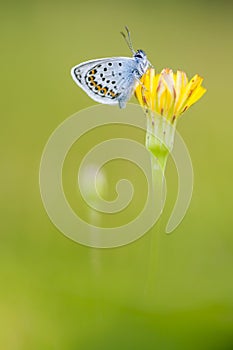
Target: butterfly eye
{"type": "Point", "coordinates": [139, 54]}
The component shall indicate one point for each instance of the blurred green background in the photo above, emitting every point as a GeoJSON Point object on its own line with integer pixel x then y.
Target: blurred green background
{"type": "Point", "coordinates": [57, 294]}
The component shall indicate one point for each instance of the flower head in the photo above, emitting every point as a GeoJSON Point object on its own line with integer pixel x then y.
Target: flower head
{"type": "Point", "coordinates": [168, 94]}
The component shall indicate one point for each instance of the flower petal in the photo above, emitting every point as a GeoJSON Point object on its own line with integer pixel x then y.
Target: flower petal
{"type": "Point", "coordinates": [192, 85]}
{"type": "Point", "coordinates": [169, 94]}
{"type": "Point", "coordinates": [180, 84]}
{"type": "Point", "coordinates": [196, 95]}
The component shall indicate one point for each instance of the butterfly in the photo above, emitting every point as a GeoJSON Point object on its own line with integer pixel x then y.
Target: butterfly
{"type": "Point", "coordinates": [112, 80]}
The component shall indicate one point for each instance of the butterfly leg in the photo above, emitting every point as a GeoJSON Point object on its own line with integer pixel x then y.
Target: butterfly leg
{"type": "Point", "coordinates": [122, 104]}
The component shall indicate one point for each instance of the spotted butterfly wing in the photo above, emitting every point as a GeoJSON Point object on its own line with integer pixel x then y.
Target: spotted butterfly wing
{"type": "Point", "coordinates": [108, 80]}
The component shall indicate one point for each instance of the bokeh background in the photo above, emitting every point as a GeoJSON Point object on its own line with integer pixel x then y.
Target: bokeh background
{"type": "Point", "coordinates": [57, 294]}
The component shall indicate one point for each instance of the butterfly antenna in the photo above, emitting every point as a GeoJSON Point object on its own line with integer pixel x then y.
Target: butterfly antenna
{"type": "Point", "coordinates": [128, 39]}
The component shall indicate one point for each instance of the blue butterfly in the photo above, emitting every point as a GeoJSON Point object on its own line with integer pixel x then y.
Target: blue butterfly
{"type": "Point", "coordinates": [112, 80]}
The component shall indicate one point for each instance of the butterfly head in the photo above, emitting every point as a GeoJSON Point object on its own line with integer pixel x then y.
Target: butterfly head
{"type": "Point", "coordinates": [142, 61]}
{"type": "Point", "coordinates": [139, 55]}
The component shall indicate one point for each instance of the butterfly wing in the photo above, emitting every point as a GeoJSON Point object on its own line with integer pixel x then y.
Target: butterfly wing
{"type": "Point", "coordinates": [106, 80]}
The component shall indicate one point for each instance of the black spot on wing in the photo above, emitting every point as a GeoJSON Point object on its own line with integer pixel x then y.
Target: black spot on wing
{"type": "Point", "coordinates": [78, 75]}
{"type": "Point", "coordinates": [105, 79]}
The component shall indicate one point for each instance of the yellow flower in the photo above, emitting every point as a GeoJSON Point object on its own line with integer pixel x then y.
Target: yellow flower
{"type": "Point", "coordinates": [168, 94]}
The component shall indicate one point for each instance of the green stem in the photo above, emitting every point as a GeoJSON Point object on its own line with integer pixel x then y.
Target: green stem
{"type": "Point", "coordinates": [159, 142]}
{"type": "Point", "coordinates": [159, 138]}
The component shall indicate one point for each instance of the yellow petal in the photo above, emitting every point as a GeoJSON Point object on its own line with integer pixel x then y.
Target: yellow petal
{"type": "Point", "coordinates": [160, 96]}
{"type": "Point", "coordinates": [193, 84]}
{"type": "Point", "coordinates": [196, 95]}
{"type": "Point", "coordinates": [180, 84]}
{"type": "Point", "coordinates": [169, 83]}
{"type": "Point", "coordinates": [169, 94]}
{"type": "Point", "coordinates": [146, 88]}
{"type": "Point", "coordinates": [138, 92]}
